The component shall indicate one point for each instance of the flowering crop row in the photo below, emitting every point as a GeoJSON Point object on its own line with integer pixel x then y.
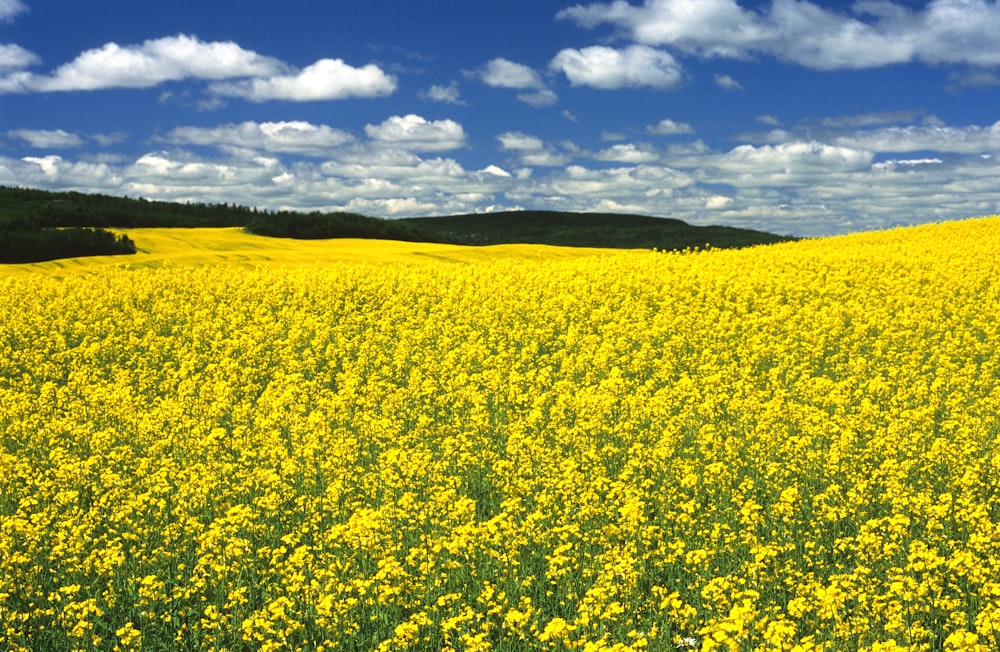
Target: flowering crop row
{"type": "Point", "coordinates": [781, 448]}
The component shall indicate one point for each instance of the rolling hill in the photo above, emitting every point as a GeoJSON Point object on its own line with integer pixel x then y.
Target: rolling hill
{"type": "Point", "coordinates": [40, 225]}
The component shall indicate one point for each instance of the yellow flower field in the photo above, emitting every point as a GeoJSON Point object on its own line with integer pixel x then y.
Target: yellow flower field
{"type": "Point", "coordinates": [790, 447]}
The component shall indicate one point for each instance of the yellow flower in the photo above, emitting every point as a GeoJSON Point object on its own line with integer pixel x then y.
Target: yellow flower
{"type": "Point", "coordinates": [129, 636]}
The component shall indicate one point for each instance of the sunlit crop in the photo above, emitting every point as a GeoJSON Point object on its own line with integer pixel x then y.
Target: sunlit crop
{"type": "Point", "coordinates": [791, 447]}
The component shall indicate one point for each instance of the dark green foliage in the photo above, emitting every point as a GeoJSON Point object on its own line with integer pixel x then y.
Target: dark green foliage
{"type": "Point", "coordinates": [52, 209]}
{"type": "Point", "coordinates": [590, 230]}
{"type": "Point", "coordinates": [34, 222]}
{"type": "Point", "coordinates": [36, 225]}
{"type": "Point", "coordinates": [36, 245]}
{"type": "Point", "coordinates": [314, 226]}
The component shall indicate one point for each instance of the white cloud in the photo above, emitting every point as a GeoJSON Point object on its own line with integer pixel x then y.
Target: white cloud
{"type": "Point", "coordinates": [448, 94]}
{"type": "Point", "coordinates": [517, 141]}
{"type": "Point", "coordinates": [794, 159]}
{"type": "Point", "coordinates": [711, 27]}
{"type": "Point", "coordinates": [294, 137]}
{"type": "Point", "coordinates": [888, 166]}
{"type": "Point", "coordinates": [872, 119]}
{"type": "Point", "coordinates": [235, 71]}
{"type": "Point", "coordinates": [975, 78]}
{"type": "Point", "coordinates": [727, 82]}
{"type": "Point", "coordinates": [645, 186]}
{"type": "Point", "coordinates": [717, 201]}
{"type": "Point", "coordinates": [326, 79]}
{"type": "Point", "coordinates": [545, 158]}
{"type": "Point", "coordinates": [47, 164]}
{"type": "Point", "coordinates": [418, 134]}
{"type": "Point", "coordinates": [495, 171]}
{"type": "Point", "coordinates": [627, 153]}
{"type": "Point", "coordinates": [14, 57]}
{"type": "Point", "coordinates": [172, 58]}
{"type": "Point", "coordinates": [11, 8]}
{"type": "Point", "coordinates": [503, 73]}
{"type": "Point", "coordinates": [531, 151]}
{"type": "Point", "coordinates": [964, 140]}
{"type": "Point", "coordinates": [609, 68]}
{"type": "Point", "coordinates": [166, 167]}
{"type": "Point", "coordinates": [800, 186]}
{"type": "Point", "coordinates": [540, 98]}
{"type": "Point", "coordinates": [112, 138]}
{"type": "Point", "coordinates": [773, 136]}
{"type": "Point", "coordinates": [46, 138]}
{"type": "Point", "coordinates": [668, 127]}
{"type": "Point", "coordinates": [875, 33]}
{"type": "Point", "coordinates": [56, 172]}
{"type": "Point", "coordinates": [767, 119]}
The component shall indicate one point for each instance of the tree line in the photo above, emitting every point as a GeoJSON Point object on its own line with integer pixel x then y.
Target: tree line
{"type": "Point", "coordinates": [42, 225]}
{"type": "Point", "coordinates": [37, 225]}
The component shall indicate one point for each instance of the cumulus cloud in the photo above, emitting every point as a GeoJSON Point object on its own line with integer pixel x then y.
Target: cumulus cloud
{"type": "Point", "coordinates": [496, 171]}
{"type": "Point", "coordinates": [155, 61]}
{"type": "Point", "coordinates": [530, 150]}
{"type": "Point", "coordinates": [874, 32]}
{"type": "Point", "coordinates": [413, 132]}
{"type": "Point", "coordinates": [608, 68]}
{"type": "Point", "coordinates": [963, 140]}
{"type": "Point", "coordinates": [235, 71]}
{"type": "Point", "coordinates": [797, 185]}
{"type": "Point", "coordinates": [46, 138]}
{"type": "Point", "coordinates": [327, 79]}
{"type": "Point", "coordinates": [539, 98]}
{"type": "Point", "coordinates": [294, 137]}
{"type": "Point", "coordinates": [887, 166]}
{"type": "Point", "coordinates": [974, 78]}
{"type": "Point", "coordinates": [717, 201]}
{"type": "Point", "coordinates": [668, 127]}
{"type": "Point", "coordinates": [727, 82]}
{"type": "Point", "coordinates": [448, 94]}
{"type": "Point", "coordinates": [11, 8]}
{"type": "Point", "coordinates": [112, 138]}
{"type": "Point", "coordinates": [14, 57]}
{"type": "Point", "coordinates": [627, 153]}
{"type": "Point", "coordinates": [53, 171]}
{"type": "Point", "coordinates": [872, 119]}
{"type": "Point", "coordinates": [503, 73]}
{"type": "Point", "coordinates": [517, 141]}
{"type": "Point", "coordinates": [163, 166]}
{"type": "Point", "coordinates": [794, 158]}
{"type": "Point", "coordinates": [640, 187]}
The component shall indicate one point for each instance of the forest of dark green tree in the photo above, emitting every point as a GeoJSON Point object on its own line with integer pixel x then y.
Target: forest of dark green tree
{"type": "Point", "coordinates": [38, 225]}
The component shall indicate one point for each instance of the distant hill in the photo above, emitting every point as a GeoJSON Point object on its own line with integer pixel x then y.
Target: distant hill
{"type": "Point", "coordinates": [40, 225]}
{"type": "Point", "coordinates": [612, 230]}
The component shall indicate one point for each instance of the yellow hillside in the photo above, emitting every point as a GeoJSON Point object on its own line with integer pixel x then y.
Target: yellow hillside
{"type": "Point", "coordinates": [781, 448]}
{"type": "Point", "coordinates": [160, 246]}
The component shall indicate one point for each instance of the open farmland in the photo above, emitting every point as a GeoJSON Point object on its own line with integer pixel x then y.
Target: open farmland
{"type": "Point", "coordinates": [790, 447]}
{"type": "Point", "coordinates": [172, 247]}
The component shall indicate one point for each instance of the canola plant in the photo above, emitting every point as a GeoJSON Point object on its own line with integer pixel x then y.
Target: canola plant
{"type": "Point", "coordinates": [790, 447]}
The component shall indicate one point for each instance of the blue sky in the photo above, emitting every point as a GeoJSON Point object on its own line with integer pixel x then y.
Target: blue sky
{"type": "Point", "coordinates": [799, 117]}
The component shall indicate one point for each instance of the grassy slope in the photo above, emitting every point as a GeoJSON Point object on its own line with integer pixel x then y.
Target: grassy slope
{"type": "Point", "coordinates": [158, 247]}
